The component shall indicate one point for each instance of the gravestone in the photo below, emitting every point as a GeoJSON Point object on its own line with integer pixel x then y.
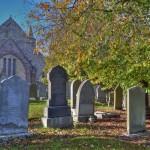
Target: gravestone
{"type": "Point", "coordinates": [124, 104]}
{"type": "Point", "coordinates": [85, 102]}
{"type": "Point", "coordinates": [101, 96]}
{"type": "Point", "coordinates": [110, 99]}
{"type": "Point", "coordinates": [57, 113]}
{"type": "Point", "coordinates": [33, 92]}
{"type": "Point", "coordinates": [41, 90]}
{"type": "Point", "coordinates": [74, 88]}
{"type": "Point", "coordinates": [135, 110]}
{"type": "Point", "coordinates": [14, 95]}
{"type": "Point", "coordinates": [118, 96]}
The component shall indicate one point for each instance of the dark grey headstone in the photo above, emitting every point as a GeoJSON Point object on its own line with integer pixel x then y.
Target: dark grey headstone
{"type": "Point", "coordinates": [57, 114]}
{"type": "Point", "coordinates": [85, 102]}
{"type": "Point", "coordinates": [68, 90]}
{"type": "Point", "coordinates": [101, 96]}
{"type": "Point", "coordinates": [135, 110]}
{"type": "Point", "coordinates": [74, 88]}
{"type": "Point", "coordinates": [118, 98]}
{"type": "Point", "coordinates": [33, 91]}
{"type": "Point", "coordinates": [14, 95]}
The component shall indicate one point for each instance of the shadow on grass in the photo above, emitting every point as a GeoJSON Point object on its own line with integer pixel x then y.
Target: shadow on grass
{"type": "Point", "coordinates": [64, 142]}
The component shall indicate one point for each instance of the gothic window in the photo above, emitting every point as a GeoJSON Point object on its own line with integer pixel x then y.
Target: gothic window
{"type": "Point", "coordinates": [9, 67]}
{"type": "Point", "coordinates": [14, 66]}
{"type": "Point", "coordinates": [4, 65]}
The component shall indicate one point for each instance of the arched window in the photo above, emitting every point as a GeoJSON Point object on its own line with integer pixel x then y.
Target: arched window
{"type": "Point", "coordinates": [4, 65]}
{"type": "Point", "coordinates": [14, 66]}
{"type": "Point", "coordinates": [9, 67]}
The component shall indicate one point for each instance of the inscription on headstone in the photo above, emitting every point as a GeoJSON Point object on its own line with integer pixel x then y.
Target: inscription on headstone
{"type": "Point", "coordinates": [14, 94]}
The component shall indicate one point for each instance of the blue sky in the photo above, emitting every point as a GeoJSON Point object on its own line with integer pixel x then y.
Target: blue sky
{"type": "Point", "coordinates": [15, 8]}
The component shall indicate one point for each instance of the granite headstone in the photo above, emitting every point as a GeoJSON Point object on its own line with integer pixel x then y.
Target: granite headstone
{"type": "Point", "coordinates": [14, 95]}
{"type": "Point", "coordinates": [118, 98]}
{"type": "Point", "coordinates": [85, 102]}
{"type": "Point", "coordinates": [101, 96]}
{"type": "Point", "coordinates": [33, 92]}
{"type": "Point", "coordinates": [57, 114]}
{"type": "Point", "coordinates": [135, 110]}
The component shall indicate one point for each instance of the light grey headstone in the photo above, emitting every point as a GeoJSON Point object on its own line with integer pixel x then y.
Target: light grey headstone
{"type": "Point", "coordinates": [14, 95]}
{"type": "Point", "coordinates": [57, 113]}
{"type": "Point", "coordinates": [101, 96]}
{"type": "Point", "coordinates": [118, 98]}
{"type": "Point", "coordinates": [135, 110]}
{"type": "Point", "coordinates": [74, 88]}
{"type": "Point", "coordinates": [85, 102]}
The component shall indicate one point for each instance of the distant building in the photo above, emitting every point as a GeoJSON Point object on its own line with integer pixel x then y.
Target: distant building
{"type": "Point", "coordinates": [17, 55]}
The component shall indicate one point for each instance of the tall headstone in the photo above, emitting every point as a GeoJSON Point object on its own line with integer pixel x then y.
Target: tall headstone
{"type": "Point", "coordinates": [14, 95]}
{"type": "Point", "coordinates": [101, 96]}
{"type": "Point", "coordinates": [74, 88]}
{"type": "Point", "coordinates": [85, 102]}
{"type": "Point", "coordinates": [33, 92]}
{"type": "Point", "coordinates": [135, 110]}
{"type": "Point", "coordinates": [118, 98]}
{"type": "Point", "coordinates": [57, 113]}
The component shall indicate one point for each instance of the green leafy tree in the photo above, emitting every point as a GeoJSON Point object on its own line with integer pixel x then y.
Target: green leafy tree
{"type": "Point", "coordinates": [107, 41]}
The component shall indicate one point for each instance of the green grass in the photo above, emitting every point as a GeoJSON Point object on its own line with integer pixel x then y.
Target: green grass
{"type": "Point", "coordinates": [82, 136]}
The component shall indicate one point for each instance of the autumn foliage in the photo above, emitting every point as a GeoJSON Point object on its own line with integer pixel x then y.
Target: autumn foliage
{"type": "Point", "coordinates": [105, 41]}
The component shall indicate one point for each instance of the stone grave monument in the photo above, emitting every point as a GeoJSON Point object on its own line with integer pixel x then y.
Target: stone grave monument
{"type": "Point", "coordinates": [135, 110]}
{"type": "Point", "coordinates": [118, 98]}
{"type": "Point", "coordinates": [33, 92]}
{"type": "Point", "coordinates": [84, 102]}
{"type": "Point", "coordinates": [74, 88]}
{"type": "Point", "coordinates": [14, 100]}
{"type": "Point", "coordinates": [101, 96]}
{"type": "Point", "coordinates": [57, 113]}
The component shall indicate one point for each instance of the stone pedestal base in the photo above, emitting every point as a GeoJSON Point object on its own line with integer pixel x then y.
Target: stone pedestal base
{"type": "Point", "coordinates": [14, 136]}
{"type": "Point", "coordinates": [80, 118]}
{"type": "Point", "coordinates": [57, 122]}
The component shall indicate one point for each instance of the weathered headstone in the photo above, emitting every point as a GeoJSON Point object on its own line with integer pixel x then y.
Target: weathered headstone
{"type": "Point", "coordinates": [135, 110]}
{"type": "Point", "coordinates": [100, 95]}
{"type": "Point", "coordinates": [110, 99]}
{"type": "Point", "coordinates": [33, 92]}
{"type": "Point", "coordinates": [118, 96]}
{"type": "Point", "coordinates": [57, 114]}
{"type": "Point", "coordinates": [74, 88]}
{"type": "Point", "coordinates": [41, 90]}
{"type": "Point", "coordinates": [14, 97]}
{"type": "Point", "coordinates": [84, 102]}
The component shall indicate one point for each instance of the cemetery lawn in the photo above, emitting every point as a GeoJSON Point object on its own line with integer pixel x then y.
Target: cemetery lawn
{"type": "Point", "coordinates": [103, 134]}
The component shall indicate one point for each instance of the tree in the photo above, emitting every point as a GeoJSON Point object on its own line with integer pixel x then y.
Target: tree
{"type": "Point", "coordinates": [106, 41]}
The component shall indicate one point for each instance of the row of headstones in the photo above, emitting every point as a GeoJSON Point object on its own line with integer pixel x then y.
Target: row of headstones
{"type": "Point", "coordinates": [58, 113]}
{"type": "Point", "coordinates": [14, 100]}
{"type": "Point", "coordinates": [38, 91]}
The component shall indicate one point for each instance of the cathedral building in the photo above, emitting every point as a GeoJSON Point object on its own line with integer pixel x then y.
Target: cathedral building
{"type": "Point", "coordinates": [17, 55]}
